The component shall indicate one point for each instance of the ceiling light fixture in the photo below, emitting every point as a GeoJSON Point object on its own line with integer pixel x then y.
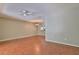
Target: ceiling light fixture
{"type": "Point", "coordinates": [26, 12]}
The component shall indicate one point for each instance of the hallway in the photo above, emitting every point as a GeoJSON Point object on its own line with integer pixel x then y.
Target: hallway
{"type": "Point", "coordinates": [35, 45]}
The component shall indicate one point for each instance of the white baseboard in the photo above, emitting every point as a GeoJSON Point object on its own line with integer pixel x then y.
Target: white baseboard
{"type": "Point", "coordinates": [63, 43]}
{"type": "Point", "coordinates": [35, 35]}
{"type": "Point", "coordinates": [17, 37]}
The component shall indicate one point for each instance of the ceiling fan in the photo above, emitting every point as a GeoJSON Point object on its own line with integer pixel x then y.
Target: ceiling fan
{"type": "Point", "coordinates": [27, 13]}
{"type": "Point", "coordinates": [30, 14]}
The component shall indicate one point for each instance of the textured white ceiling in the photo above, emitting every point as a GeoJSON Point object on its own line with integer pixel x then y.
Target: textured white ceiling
{"type": "Point", "coordinates": [40, 10]}
{"type": "Point", "coordinates": [43, 10]}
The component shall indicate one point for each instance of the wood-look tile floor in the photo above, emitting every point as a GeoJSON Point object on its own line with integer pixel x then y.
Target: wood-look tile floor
{"type": "Point", "coordinates": [35, 45]}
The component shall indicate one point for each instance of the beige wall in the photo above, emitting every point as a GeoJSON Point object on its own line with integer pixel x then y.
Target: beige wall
{"type": "Point", "coordinates": [15, 28]}
{"type": "Point", "coordinates": [0, 29]}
